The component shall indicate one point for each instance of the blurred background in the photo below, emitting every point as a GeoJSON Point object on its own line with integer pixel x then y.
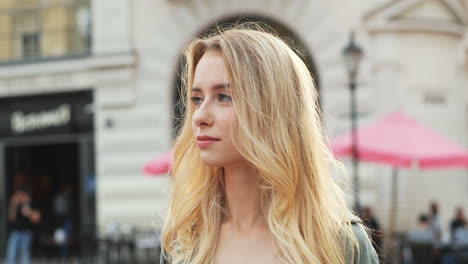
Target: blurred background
{"type": "Point", "coordinates": [89, 95]}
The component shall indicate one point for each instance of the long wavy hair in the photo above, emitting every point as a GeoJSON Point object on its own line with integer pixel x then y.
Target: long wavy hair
{"type": "Point", "coordinates": [279, 132]}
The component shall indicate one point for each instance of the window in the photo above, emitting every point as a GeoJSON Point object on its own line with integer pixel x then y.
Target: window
{"type": "Point", "coordinates": [44, 29]}
{"type": "Point", "coordinates": [30, 45]}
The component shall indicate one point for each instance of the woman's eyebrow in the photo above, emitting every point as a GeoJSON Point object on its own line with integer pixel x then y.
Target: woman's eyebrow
{"type": "Point", "coordinates": [215, 87]}
{"type": "Point", "coordinates": [221, 86]}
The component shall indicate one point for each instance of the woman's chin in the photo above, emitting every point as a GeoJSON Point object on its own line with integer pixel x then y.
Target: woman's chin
{"type": "Point", "coordinates": [211, 161]}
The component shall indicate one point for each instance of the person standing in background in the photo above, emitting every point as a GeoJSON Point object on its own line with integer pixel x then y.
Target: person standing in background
{"type": "Point", "coordinates": [434, 222]}
{"type": "Point", "coordinates": [62, 211]}
{"type": "Point", "coordinates": [458, 222]}
{"type": "Point", "coordinates": [22, 217]}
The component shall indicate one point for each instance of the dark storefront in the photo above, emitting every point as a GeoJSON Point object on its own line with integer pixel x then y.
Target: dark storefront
{"type": "Point", "coordinates": [47, 145]}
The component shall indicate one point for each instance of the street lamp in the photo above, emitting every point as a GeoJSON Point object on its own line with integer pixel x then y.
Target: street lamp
{"type": "Point", "coordinates": [352, 55]}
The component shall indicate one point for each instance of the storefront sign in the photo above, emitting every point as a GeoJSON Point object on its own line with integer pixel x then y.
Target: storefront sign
{"type": "Point", "coordinates": [47, 114]}
{"type": "Point", "coordinates": [23, 123]}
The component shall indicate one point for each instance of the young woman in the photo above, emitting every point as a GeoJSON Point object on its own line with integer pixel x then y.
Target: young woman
{"type": "Point", "coordinates": [251, 181]}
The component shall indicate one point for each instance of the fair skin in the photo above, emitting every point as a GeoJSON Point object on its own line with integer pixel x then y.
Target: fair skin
{"type": "Point", "coordinates": [244, 235]}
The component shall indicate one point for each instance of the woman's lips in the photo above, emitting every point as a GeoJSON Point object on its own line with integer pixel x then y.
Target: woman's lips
{"type": "Point", "coordinates": [205, 141]}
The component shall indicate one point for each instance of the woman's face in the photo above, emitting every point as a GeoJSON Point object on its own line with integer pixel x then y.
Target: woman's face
{"type": "Point", "coordinates": [214, 113]}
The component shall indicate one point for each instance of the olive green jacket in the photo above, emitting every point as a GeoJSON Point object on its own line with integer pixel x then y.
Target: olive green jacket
{"type": "Point", "coordinates": [367, 254]}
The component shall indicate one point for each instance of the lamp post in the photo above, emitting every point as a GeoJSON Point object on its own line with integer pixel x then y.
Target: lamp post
{"type": "Point", "coordinates": [352, 55]}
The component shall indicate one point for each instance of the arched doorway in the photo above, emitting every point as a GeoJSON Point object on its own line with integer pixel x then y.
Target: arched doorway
{"type": "Point", "coordinates": [285, 33]}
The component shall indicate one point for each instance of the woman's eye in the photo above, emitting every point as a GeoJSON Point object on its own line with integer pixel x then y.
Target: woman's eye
{"type": "Point", "coordinates": [196, 100]}
{"type": "Point", "coordinates": [224, 98]}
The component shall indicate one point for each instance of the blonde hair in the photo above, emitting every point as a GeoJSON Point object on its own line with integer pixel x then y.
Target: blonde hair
{"type": "Point", "coordinates": [279, 132]}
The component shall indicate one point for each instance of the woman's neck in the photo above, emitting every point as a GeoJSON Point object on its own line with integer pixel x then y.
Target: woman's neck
{"type": "Point", "coordinates": [243, 198]}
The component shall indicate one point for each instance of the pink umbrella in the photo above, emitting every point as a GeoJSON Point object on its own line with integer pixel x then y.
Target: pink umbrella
{"type": "Point", "coordinates": [160, 165]}
{"type": "Point", "coordinates": [400, 141]}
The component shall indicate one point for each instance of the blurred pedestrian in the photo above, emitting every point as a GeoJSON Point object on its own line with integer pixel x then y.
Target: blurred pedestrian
{"type": "Point", "coordinates": [458, 222]}
{"type": "Point", "coordinates": [423, 233]}
{"type": "Point", "coordinates": [62, 211]}
{"type": "Point", "coordinates": [458, 252]}
{"type": "Point", "coordinates": [420, 247]}
{"type": "Point", "coordinates": [434, 221]}
{"type": "Point", "coordinates": [22, 216]}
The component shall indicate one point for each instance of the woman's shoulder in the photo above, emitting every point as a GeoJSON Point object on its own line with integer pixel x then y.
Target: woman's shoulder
{"type": "Point", "coordinates": [360, 232]}
{"type": "Point", "coordinates": [366, 253]}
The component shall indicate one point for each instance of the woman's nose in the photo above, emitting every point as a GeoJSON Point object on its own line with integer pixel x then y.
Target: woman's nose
{"type": "Point", "coordinates": [203, 115]}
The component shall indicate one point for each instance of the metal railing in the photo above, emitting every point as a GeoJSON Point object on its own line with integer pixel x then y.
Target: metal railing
{"type": "Point", "coordinates": [133, 245]}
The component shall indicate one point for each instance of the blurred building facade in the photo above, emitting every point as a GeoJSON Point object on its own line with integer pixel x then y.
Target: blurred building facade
{"type": "Point", "coordinates": [100, 75]}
